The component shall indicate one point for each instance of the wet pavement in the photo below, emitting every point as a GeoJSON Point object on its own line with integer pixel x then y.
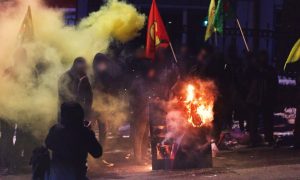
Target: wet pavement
{"type": "Point", "coordinates": [243, 163]}
{"type": "Point", "coordinates": [240, 163]}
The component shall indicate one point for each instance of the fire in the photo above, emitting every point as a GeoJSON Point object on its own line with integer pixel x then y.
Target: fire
{"type": "Point", "coordinates": [199, 103]}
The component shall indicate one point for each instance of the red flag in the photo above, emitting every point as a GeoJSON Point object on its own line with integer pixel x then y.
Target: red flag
{"type": "Point", "coordinates": [157, 35]}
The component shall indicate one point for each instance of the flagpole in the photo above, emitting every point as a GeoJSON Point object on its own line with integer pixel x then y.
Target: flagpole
{"type": "Point", "coordinates": [241, 30]}
{"type": "Point", "coordinates": [216, 39]}
{"type": "Point", "coordinates": [174, 55]}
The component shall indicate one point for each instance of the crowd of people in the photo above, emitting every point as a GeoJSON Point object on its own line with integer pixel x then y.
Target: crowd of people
{"type": "Point", "coordinates": [247, 88]}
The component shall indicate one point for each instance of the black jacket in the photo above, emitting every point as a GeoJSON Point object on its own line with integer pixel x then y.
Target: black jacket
{"type": "Point", "coordinates": [71, 146]}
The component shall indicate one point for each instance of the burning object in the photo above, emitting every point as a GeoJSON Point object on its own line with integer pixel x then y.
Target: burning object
{"type": "Point", "coordinates": [199, 106]}
{"type": "Point", "coordinates": [180, 133]}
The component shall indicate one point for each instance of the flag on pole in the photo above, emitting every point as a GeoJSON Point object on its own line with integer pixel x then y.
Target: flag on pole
{"type": "Point", "coordinates": [217, 14]}
{"type": "Point", "coordinates": [225, 10]}
{"type": "Point", "coordinates": [211, 16]}
{"type": "Point", "coordinates": [26, 31]}
{"type": "Point", "coordinates": [294, 55]}
{"type": "Point", "coordinates": [219, 17]}
{"type": "Point", "coordinates": [157, 35]}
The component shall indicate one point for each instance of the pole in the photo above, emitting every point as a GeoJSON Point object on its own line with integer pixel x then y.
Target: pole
{"type": "Point", "coordinates": [216, 39]}
{"type": "Point", "coordinates": [241, 30]}
{"type": "Point", "coordinates": [173, 52]}
{"type": "Point", "coordinates": [256, 23]}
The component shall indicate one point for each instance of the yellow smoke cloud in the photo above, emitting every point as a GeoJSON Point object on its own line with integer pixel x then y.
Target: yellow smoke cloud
{"type": "Point", "coordinates": [28, 83]}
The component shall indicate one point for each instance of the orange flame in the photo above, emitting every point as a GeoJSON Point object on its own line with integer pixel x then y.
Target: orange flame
{"type": "Point", "coordinates": [199, 103]}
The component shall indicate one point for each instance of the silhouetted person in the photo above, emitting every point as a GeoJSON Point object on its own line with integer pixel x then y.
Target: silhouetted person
{"type": "Point", "coordinates": [142, 92]}
{"type": "Point", "coordinates": [199, 68]}
{"type": "Point", "coordinates": [262, 97]}
{"type": "Point", "coordinates": [70, 143]}
{"type": "Point", "coordinates": [185, 60]}
{"type": "Point", "coordinates": [102, 79]}
{"type": "Point", "coordinates": [74, 85]}
{"type": "Point", "coordinates": [107, 74]}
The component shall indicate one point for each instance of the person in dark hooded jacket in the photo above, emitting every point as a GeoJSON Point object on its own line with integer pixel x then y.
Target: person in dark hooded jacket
{"type": "Point", "coordinates": [261, 98]}
{"type": "Point", "coordinates": [74, 85]}
{"type": "Point", "coordinates": [144, 90]}
{"type": "Point", "coordinates": [103, 81]}
{"type": "Point", "coordinates": [106, 84]}
{"type": "Point", "coordinates": [107, 74]}
{"type": "Point", "coordinates": [70, 143]}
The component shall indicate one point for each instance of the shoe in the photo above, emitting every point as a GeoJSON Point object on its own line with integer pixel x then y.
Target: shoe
{"type": "Point", "coordinates": [107, 163]}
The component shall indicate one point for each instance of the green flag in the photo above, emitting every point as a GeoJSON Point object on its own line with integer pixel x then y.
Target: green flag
{"type": "Point", "coordinates": [219, 17]}
{"type": "Point", "coordinates": [294, 55]}
{"type": "Point", "coordinates": [225, 10]}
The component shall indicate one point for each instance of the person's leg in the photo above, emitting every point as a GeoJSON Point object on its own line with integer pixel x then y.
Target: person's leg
{"type": "Point", "coordinates": [140, 131]}
{"type": "Point", "coordinates": [6, 144]}
{"type": "Point", "coordinates": [137, 139]}
{"type": "Point", "coordinates": [145, 143]}
{"type": "Point", "coordinates": [240, 114]}
{"type": "Point", "coordinates": [268, 124]}
{"type": "Point", "coordinates": [226, 108]}
{"type": "Point", "coordinates": [253, 120]}
{"type": "Point", "coordinates": [228, 118]}
{"type": "Point", "coordinates": [217, 123]}
{"type": "Point", "coordinates": [102, 132]}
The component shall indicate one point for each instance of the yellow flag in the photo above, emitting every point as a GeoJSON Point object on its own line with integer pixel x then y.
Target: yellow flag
{"type": "Point", "coordinates": [26, 31]}
{"type": "Point", "coordinates": [211, 16]}
{"type": "Point", "coordinates": [294, 55]}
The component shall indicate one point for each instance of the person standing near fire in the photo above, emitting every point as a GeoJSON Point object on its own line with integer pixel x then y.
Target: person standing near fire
{"type": "Point", "coordinates": [74, 85]}
{"type": "Point", "coordinates": [106, 87]}
{"type": "Point", "coordinates": [261, 98]}
{"type": "Point", "coordinates": [142, 91]}
{"type": "Point", "coordinates": [202, 70]}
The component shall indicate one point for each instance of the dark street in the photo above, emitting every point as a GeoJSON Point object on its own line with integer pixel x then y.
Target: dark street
{"type": "Point", "coordinates": [257, 163]}
{"type": "Point", "coordinates": [149, 89]}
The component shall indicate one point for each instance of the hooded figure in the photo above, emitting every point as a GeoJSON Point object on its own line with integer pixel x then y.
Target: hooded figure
{"type": "Point", "coordinates": [261, 98]}
{"type": "Point", "coordinates": [107, 74]}
{"type": "Point", "coordinates": [70, 143]}
{"type": "Point", "coordinates": [102, 77]}
{"type": "Point", "coordinates": [74, 85]}
{"type": "Point", "coordinates": [143, 91]}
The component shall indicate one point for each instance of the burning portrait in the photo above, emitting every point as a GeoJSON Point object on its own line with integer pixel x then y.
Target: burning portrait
{"type": "Point", "coordinates": [184, 139]}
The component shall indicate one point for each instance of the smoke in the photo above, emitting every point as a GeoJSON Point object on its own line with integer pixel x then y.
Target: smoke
{"type": "Point", "coordinates": [176, 124]}
{"type": "Point", "coordinates": [112, 109]}
{"type": "Point", "coordinates": [29, 71]}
